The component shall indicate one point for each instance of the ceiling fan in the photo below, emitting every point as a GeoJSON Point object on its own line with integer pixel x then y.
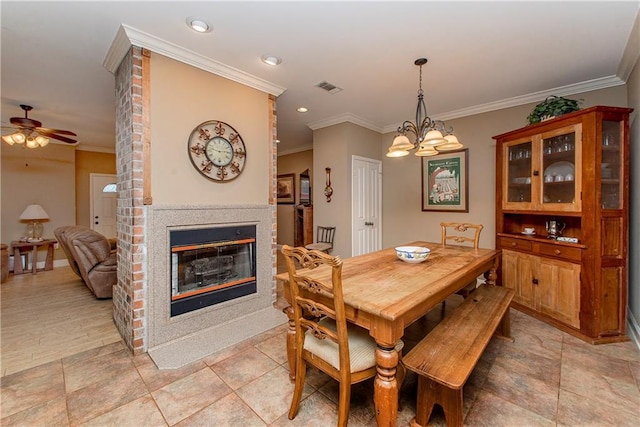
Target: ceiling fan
{"type": "Point", "coordinates": [32, 133]}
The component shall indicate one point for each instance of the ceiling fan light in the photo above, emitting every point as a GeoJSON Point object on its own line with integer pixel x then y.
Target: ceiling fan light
{"type": "Point", "coordinates": [18, 138]}
{"type": "Point", "coordinates": [31, 143]}
{"type": "Point", "coordinates": [41, 140]}
{"type": "Point", "coordinates": [8, 139]}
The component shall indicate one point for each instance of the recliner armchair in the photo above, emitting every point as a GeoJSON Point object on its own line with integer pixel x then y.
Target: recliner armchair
{"type": "Point", "coordinates": [91, 257]}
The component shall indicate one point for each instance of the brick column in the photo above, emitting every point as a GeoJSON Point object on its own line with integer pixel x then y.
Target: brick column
{"type": "Point", "coordinates": [129, 295]}
{"type": "Point", "coordinates": [273, 191]}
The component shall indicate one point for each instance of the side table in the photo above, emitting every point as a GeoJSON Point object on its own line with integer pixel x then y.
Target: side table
{"type": "Point", "coordinates": [21, 247]}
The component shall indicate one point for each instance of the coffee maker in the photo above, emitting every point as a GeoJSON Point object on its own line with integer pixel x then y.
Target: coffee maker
{"type": "Point", "coordinates": [554, 228]}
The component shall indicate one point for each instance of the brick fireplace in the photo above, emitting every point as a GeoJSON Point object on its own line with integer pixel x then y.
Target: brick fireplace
{"type": "Point", "coordinates": [142, 297]}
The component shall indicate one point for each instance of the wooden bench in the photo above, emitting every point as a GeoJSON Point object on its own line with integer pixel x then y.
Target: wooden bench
{"type": "Point", "coordinates": [445, 358]}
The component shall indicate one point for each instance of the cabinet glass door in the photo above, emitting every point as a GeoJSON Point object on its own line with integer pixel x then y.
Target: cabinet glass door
{"type": "Point", "coordinates": [518, 173]}
{"type": "Point", "coordinates": [611, 166]}
{"type": "Point", "coordinates": [558, 169]}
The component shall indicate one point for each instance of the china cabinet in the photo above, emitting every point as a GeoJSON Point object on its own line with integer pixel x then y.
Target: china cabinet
{"type": "Point", "coordinates": [567, 179]}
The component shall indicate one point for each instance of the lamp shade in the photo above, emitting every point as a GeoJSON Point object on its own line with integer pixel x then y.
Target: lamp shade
{"type": "Point", "coordinates": [452, 144]}
{"type": "Point", "coordinates": [426, 150]}
{"type": "Point", "coordinates": [400, 147]}
{"type": "Point", "coordinates": [33, 212]}
{"type": "Point", "coordinates": [434, 138]}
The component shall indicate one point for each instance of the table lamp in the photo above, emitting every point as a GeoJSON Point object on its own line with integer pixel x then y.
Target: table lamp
{"type": "Point", "coordinates": [34, 214]}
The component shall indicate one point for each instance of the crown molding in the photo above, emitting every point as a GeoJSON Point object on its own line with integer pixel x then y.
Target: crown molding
{"type": "Point", "coordinates": [573, 89]}
{"type": "Point", "coordinates": [107, 150]}
{"type": "Point", "coordinates": [128, 36]}
{"type": "Point", "coordinates": [342, 118]}
{"type": "Point", "coordinates": [295, 150]}
{"type": "Point", "coordinates": [631, 52]}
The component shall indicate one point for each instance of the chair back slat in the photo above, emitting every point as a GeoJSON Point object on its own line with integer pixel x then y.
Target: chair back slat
{"type": "Point", "coordinates": [325, 234]}
{"type": "Point", "coordinates": [461, 233]}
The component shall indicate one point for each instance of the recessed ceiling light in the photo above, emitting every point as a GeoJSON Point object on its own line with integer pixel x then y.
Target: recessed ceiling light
{"type": "Point", "coordinates": [199, 25]}
{"type": "Point", "coordinates": [302, 109]}
{"type": "Point", "coordinates": [271, 60]}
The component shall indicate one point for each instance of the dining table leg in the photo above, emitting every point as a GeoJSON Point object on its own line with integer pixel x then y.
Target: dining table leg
{"type": "Point", "coordinates": [385, 388]}
{"type": "Point", "coordinates": [492, 275]}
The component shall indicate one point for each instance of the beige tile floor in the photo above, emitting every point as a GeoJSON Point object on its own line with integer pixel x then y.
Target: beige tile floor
{"type": "Point", "coordinates": [544, 378]}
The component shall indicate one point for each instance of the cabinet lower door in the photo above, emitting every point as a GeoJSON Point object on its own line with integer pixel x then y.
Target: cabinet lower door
{"type": "Point", "coordinates": [559, 290]}
{"type": "Point", "coordinates": [517, 272]}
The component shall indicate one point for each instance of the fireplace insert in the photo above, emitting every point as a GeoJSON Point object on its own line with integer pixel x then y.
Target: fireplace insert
{"type": "Point", "coordinates": [212, 265]}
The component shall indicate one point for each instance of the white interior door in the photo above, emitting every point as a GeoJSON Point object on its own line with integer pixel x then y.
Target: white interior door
{"type": "Point", "coordinates": [366, 205]}
{"type": "Point", "coordinates": [103, 204]}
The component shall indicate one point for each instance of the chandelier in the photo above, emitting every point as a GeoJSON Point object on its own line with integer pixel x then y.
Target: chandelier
{"type": "Point", "coordinates": [28, 137]}
{"type": "Point", "coordinates": [431, 136]}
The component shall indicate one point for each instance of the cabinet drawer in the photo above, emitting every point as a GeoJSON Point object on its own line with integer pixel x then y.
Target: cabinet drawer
{"type": "Point", "coordinates": [523, 245]}
{"type": "Point", "coordinates": [564, 252]}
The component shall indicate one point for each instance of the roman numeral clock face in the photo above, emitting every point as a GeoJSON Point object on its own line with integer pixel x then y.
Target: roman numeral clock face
{"type": "Point", "coordinates": [217, 151]}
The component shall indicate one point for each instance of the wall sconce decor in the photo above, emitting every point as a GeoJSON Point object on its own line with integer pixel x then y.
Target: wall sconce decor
{"type": "Point", "coordinates": [328, 191]}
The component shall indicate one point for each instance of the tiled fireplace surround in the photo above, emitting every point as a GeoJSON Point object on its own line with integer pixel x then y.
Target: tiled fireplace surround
{"type": "Point", "coordinates": [176, 341]}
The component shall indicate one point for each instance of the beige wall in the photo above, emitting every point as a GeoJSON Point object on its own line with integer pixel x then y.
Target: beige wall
{"type": "Point", "coordinates": [292, 163]}
{"type": "Point", "coordinates": [44, 176]}
{"type": "Point", "coordinates": [333, 147]}
{"type": "Point", "coordinates": [88, 162]}
{"type": "Point", "coordinates": [402, 216]}
{"type": "Point", "coordinates": [184, 97]}
{"type": "Point", "coordinates": [633, 93]}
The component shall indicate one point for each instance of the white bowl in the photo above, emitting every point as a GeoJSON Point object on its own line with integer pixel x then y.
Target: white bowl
{"type": "Point", "coordinates": [412, 254]}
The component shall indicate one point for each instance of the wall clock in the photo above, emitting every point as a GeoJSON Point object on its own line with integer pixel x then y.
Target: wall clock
{"type": "Point", "coordinates": [217, 151]}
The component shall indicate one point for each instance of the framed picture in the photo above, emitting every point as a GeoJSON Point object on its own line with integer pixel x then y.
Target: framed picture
{"type": "Point", "coordinates": [305, 188]}
{"type": "Point", "coordinates": [445, 182]}
{"type": "Point", "coordinates": [287, 189]}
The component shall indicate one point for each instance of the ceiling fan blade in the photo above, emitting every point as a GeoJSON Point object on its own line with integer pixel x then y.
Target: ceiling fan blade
{"type": "Point", "coordinates": [60, 138]}
{"type": "Point", "coordinates": [50, 131]}
{"type": "Point", "coordinates": [25, 122]}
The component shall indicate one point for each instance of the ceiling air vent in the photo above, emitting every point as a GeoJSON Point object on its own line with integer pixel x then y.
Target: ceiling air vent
{"type": "Point", "coordinates": [329, 87]}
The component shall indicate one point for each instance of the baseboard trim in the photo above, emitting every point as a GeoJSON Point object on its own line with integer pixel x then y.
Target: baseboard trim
{"type": "Point", "coordinates": [633, 328]}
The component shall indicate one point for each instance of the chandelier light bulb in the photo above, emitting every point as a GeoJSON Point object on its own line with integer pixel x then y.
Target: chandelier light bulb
{"type": "Point", "coordinates": [31, 143]}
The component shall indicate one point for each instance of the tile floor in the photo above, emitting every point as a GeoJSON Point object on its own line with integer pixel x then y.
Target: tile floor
{"type": "Point", "coordinates": [544, 378]}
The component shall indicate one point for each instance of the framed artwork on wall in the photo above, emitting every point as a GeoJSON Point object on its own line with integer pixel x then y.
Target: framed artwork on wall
{"type": "Point", "coordinates": [286, 188]}
{"type": "Point", "coordinates": [445, 182]}
{"type": "Point", "coordinates": [305, 188]}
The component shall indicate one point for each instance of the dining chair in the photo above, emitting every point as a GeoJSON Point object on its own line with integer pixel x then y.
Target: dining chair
{"type": "Point", "coordinates": [324, 339]}
{"type": "Point", "coordinates": [324, 239]}
{"type": "Point", "coordinates": [461, 234]}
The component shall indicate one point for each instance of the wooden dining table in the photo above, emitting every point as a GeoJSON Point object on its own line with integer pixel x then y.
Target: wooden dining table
{"type": "Point", "coordinates": [385, 295]}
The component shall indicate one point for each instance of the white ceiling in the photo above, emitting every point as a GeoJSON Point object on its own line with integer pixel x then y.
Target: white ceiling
{"type": "Point", "coordinates": [481, 55]}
